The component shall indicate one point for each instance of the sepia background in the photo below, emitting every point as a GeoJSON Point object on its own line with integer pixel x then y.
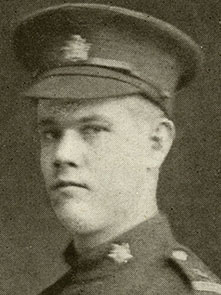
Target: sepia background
{"type": "Point", "coordinates": [31, 239]}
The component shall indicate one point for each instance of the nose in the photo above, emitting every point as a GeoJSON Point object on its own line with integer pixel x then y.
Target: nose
{"type": "Point", "coordinates": [70, 150]}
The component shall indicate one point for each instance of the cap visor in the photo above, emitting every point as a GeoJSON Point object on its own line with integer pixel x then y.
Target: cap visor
{"type": "Point", "coordinates": [83, 82]}
{"type": "Point", "coordinates": [79, 87]}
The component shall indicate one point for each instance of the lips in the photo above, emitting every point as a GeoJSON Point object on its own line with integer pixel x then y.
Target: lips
{"type": "Point", "coordinates": [63, 184]}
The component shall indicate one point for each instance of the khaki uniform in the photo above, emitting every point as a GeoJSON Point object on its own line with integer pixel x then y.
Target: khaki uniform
{"type": "Point", "coordinates": [93, 51]}
{"type": "Point", "coordinates": [145, 260]}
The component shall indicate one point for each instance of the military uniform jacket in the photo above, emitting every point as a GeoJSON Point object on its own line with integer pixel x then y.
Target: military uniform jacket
{"type": "Point", "coordinates": [146, 260]}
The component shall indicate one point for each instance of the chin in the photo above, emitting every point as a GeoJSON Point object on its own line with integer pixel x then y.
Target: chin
{"type": "Point", "coordinates": [78, 218]}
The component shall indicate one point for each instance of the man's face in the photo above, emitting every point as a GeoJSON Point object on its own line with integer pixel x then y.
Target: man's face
{"type": "Point", "coordinates": [94, 160]}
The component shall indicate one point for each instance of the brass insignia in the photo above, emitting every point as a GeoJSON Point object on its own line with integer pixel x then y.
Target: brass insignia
{"type": "Point", "coordinates": [200, 273]}
{"type": "Point", "coordinates": [200, 277]}
{"type": "Point", "coordinates": [207, 287]}
{"type": "Point", "coordinates": [76, 49]}
{"type": "Point", "coordinates": [180, 255]}
{"type": "Point", "coordinates": [120, 253]}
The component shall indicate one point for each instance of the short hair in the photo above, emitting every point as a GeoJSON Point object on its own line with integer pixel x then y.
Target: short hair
{"type": "Point", "coordinates": [141, 108]}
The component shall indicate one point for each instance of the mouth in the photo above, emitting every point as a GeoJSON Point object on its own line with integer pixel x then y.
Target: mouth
{"type": "Point", "coordinates": [64, 184]}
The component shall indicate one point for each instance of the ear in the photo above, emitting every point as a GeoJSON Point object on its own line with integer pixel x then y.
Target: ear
{"type": "Point", "coordinates": [161, 139]}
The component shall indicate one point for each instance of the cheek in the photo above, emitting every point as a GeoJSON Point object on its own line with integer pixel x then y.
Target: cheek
{"type": "Point", "coordinates": [119, 163]}
{"type": "Point", "coordinates": [46, 162]}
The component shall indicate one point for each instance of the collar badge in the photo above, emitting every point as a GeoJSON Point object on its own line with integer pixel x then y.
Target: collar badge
{"type": "Point", "coordinates": [76, 49]}
{"type": "Point", "coordinates": [120, 253]}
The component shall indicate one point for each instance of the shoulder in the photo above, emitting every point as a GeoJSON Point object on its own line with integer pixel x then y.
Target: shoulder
{"type": "Point", "coordinates": [193, 271]}
{"type": "Point", "coordinates": [59, 286]}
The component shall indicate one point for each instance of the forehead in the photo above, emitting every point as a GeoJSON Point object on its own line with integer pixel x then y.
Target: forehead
{"type": "Point", "coordinates": [61, 110]}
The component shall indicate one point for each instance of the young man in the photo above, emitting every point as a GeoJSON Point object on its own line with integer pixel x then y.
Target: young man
{"type": "Point", "coordinates": [105, 79]}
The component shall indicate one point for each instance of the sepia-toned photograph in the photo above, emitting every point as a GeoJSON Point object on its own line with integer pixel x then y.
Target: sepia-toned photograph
{"type": "Point", "coordinates": [110, 147]}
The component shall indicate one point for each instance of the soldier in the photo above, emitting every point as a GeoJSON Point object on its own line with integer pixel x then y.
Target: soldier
{"type": "Point", "coordinates": [105, 79]}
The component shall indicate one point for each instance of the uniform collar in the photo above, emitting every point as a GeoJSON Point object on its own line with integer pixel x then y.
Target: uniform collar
{"type": "Point", "coordinates": [146, 241]}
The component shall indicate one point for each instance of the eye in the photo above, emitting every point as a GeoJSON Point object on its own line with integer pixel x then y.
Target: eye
{"type": "Point", "coordinates": [94, 129]}
{"type": "Point", "coordinates": [49, 134]}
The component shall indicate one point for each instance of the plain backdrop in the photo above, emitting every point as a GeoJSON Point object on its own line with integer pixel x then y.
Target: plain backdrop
{"type": "Point", "coordinates": [31, 239]}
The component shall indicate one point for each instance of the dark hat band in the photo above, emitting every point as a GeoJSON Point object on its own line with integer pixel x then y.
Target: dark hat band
{"type": "Point", "coordinates": [122, 83]}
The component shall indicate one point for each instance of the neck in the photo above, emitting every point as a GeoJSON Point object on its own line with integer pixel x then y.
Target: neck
{"type": "Point", "coordinates": [86, 242]}
{"type": "Point", "coordinates": [144, 209]}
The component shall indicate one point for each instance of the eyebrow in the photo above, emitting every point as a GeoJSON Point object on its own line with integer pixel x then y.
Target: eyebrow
{"type": "Point", "coordinates": [84, 120]}
{"type": "Point", "coordinates": [91, 118]}
{"type": "Point", "coordinates": [46, 121]}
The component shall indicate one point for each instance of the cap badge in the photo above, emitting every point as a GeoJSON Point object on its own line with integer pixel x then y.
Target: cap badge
{"type": "Point", "coordinates": [76, 49]}
{"type": "Point", "coordinates": [120, 253]}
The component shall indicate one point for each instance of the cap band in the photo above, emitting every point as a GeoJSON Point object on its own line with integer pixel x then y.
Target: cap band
{"type": "Point", "coordinates": [94, 73]}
